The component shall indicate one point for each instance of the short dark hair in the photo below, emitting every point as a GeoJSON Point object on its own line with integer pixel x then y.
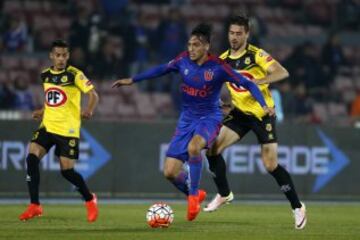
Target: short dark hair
{"type": "Point", "coordinates": [241, 20]}
{"type": "Point", "coordinates": [203, 30]}
{"type": "Point", "coordinates": [59, 43]}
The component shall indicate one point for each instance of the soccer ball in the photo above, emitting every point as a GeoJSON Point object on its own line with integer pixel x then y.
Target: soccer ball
{"type": "Point", "coordinates": [160, 215]}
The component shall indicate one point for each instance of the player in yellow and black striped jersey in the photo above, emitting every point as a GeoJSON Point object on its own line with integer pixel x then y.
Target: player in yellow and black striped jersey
{"type": "Point", "coordinates": [60, 127]}
{"type": "Point", "coordinates": [246, 116]}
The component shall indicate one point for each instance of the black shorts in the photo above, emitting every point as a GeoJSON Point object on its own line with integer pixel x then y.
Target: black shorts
{"type": "Point", "coordinates": [242, 123]}
{"type": "Point", "coordinates": [65, 146]}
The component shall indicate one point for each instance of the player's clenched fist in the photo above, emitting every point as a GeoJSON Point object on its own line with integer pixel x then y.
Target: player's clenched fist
{"type": "Point", "coordinates": [269, 111]}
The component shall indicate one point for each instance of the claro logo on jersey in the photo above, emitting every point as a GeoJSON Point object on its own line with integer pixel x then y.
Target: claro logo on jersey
{"type": "Point", "coordinates": [55, 97]}
{"type": "Point", "coordinates": [323, 162]}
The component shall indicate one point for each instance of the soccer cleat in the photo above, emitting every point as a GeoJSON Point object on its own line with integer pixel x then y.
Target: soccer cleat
{"type": "Point", "coordinates": [300, 217]}
{"type": "Point", "coordinates": [218, 201]}
{"type": "Point", "coordinates": [33, 210]}
{"type": "Point", "coordinates": [92, 209]}
{"type": "Point", "coordinates": [202, 195]}
{"type": "Point", "coordinates": [193, 207]}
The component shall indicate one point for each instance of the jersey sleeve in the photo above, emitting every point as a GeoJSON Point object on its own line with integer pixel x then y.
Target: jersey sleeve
{"type": "Point", "coordinates": [263, 59]}
{"type": "Point", "coordinates": [160, 70]}
{"type": "Point", "coordinates": [83, 83]}
{"type": "Point", "coordinates": [240, 80]}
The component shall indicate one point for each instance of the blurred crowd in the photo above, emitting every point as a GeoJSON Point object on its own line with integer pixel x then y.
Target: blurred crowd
{"type": "Point", "coordinates": [317, 41]}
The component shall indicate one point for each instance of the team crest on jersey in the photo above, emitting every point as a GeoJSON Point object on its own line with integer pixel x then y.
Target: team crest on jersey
{"type": "Point", "coordinates": [64, 79]}
{"type": "Point", "coordinates": [208, 75]}
{"type": "Point", "coordinates": [268, 127]}
{"type": "Point", "coordinates": [55, 97]}
{"type": "Point", "coordinates": [72, 143]}
{"type": "Point", "coordinates": [247, 61]}
{"type": "Point", "coordinates": [186, 71]}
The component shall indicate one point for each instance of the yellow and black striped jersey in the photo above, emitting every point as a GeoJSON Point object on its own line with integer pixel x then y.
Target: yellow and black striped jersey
{"type": "Point", "coordinates": [62, 110]}
{"type": "Point", "coordinates": [253, 62]}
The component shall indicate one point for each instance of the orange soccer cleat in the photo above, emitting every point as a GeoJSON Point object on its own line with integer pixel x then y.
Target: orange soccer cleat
{"type": "Point", "coordinates": [202, 195]}
{"type": "Point", "coordinates": [193, 207]}
{"type": "Point", "coordinates": [33, 210]}
{"type": "Point", "coordinates": [92, 209]}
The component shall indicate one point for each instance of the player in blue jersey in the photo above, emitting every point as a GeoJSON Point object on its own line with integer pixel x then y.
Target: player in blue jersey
{"type": "Point", "coordinates": [200, 120]}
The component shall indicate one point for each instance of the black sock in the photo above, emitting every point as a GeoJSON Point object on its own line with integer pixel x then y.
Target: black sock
{"type": "Point", "coordinates": [218, 168]}
{"type": "Point", "coordinates": [33, 177]}
{"type": "Point", "coordinates": [283, 178]}
{"type": "Point", "coordinates": [77, 180]}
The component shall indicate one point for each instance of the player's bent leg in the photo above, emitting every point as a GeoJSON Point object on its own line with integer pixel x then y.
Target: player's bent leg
{"type": "Point", "coordinates": [36, 152]}
{"type": "Point", "coordinates": [68, 172]}
{"type": "Point", "coordinates": [269, 156]}
{"type": "Point", "coordinates": [283, 178]}
{"type": "Point", "coordinates": [173, 171]}
{"type": "Point", "coordinates": [217, 167]}
{"type": "Point", "coordinates": [195, 146]}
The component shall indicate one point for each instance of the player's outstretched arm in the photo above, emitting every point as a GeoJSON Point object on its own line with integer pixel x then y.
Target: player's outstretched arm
{"type": "Point", "coordinates": [91, 105]}
{"type": "Point", "coordinates": [154, 72]}
{"type": "Point", "coordinates": [239, 79]}
{"type": "Point", "coordinates": [275, 73]}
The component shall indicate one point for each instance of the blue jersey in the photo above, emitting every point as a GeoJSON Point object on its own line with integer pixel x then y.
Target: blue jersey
{"type": "Point", "coordinates": [201, 84]}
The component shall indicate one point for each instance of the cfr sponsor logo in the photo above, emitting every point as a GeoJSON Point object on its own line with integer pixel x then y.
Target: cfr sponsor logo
{"type": "Point", "coordinates": [55, 97]}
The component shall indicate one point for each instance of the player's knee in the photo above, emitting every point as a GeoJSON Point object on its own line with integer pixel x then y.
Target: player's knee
{"type": "Point", "coordinates": [194, 149]}
{"type": "Point", "coordinates": [269, 158]}
{"type": "Point", "coordinates": [36, 150]}
{"type": "Point", "coordinates": [67, 173]}
{"type": "Point", "coordinates": [270, 166]}
{"type": "Point", "coordinates": [169, 173]}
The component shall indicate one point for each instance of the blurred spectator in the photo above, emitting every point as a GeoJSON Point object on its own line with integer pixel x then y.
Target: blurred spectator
{"type": "Point", "coordinates": [332, 56]}
{"type": "Point", "coordinates": [258, 28]}
{"type": "Point", "coordinates": [110, 63]}
{"type": "Point", "coordinates": [96, 33]}
{"type": "Point", "coordinates": [303, 104]}
{"type": "Point", "coordinates": [296, 103]}
{"type": "Point", "coordinates": [348, 15]}
{"type": "Point", "coordinates": [78, 59]}
{"type": "Point", "coordinates": [172, 34]}
{"type": "Point", "coordinates": [80, 30]}
{"type": "Point", "coordinates": [141, 47]}
{"type": "Point", "coordinates": [304, 66]}
{"type": "Point", "coordinates": [15, 38]}
{"type": "Point", "coordinates": [318, 13]}
{"type": "Point", "coordinates": [112, 7]}
{"type": "Point", "coordinates": [288, 98]}
{"type": "Point", "coordinates": [23, 98]}
{"type": "Point", "coordinates": [6, 96]}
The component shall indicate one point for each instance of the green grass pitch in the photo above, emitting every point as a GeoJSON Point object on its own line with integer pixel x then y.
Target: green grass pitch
{"type": "Point", "coordinates": [236, 221]}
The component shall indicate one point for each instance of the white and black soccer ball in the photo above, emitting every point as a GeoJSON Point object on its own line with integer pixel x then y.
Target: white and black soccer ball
{"type": "Point", "coordinates": [159, 215]}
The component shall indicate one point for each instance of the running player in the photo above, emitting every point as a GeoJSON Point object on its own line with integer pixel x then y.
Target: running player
{"type": "Point", "coordinates": [248, 116]}
{"type": "Point", "coordinates": [200, 120]}
{"type": "Point", "coordinates": [60, 126]}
